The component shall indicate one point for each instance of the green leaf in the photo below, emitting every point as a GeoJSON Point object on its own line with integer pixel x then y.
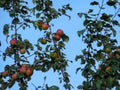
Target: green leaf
{"type": "Point", "coordinates": [117, 88]}
{"type": "Point", "coordinates": [2, 2]}
{"type": "Point", "coordinates": [94, 3]}
{"type": "Point", "coordinates": [80, 87]}
{"type": "Point", "coordinates": [15, 21]}
{"type": "Point", "coordinates": [6, 29]}
{"type": "Point", "coordinates": [115, 22]}
{"type": "Point", "coordinates": [80, 14]}
{"type": "Point", "coordinates": [111, 3]}
{"type": "Point", "coordinates": [90, 11]}
{"type": "Point", "coordinates": [98, 83]}
{"type": "Point", "coordinates": [37, 15]}
{"type": "Point", "coordinates": [78, 69]}
{"type": "Point", "coordinates": [53, 88]}
{"type": "Point", "coordinates": [65, 38]}
{"type": "Point", "coordinates": [80, 32]}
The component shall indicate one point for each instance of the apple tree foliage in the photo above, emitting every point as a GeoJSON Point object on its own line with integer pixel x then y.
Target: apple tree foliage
{"type": "Point", "coordinates": [100, 60]}
{"type": "Point", "coordinates": [52, 56]}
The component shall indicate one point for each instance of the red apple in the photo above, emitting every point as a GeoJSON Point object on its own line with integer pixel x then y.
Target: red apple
{"type": "Point", "coordinates": [14, 76]}
{"type": "Point", "coordinates": [29, 72]}
{"type": "Point", "coordinates": [56, 37]}
{"type": "Point", "coordinates": [23, 70]}
{"type": "Point", "coordinates": [59, 32]}
{"type": "Point", "coordinates": [4, 74]}
{"type": "Point", "coordinates": [45, 26]}
{"type": "Point", "coordinates": [13, 41]}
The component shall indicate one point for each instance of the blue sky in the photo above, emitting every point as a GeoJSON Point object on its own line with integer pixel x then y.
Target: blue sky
{"type": "Point", "coordinates": [73, 47]}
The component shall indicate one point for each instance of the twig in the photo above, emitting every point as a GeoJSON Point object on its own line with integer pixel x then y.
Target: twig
{"type": "Point", "coordinates": [100, 9]}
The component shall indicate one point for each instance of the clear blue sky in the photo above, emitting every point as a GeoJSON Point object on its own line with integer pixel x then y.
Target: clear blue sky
{"type": "Point", "coordinates": [73, 47]}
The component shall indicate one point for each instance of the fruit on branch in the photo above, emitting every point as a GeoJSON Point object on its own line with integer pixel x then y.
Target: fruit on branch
{"type": "Point", "coordinates": [23, 70]}
{"type": "Point", "coordinates": [14, 76]}
{"type": "Point", "coordinates": [29, 71]}
{"type": "Point", "coordinates": [56, 37]}
{"type": "Point", "coordinates": [13, 41]}
{"type": "Point", "coordinates": [108, 50]}
{"type": "Point", "coordinates": [22, 51]}
{"type": "Point", "coordinates": [59, 32]}
{"type": "Point", "coordinates": [43, 41]}
{"type": "Point", "coordinates": [108, 69]}
{"type": "Point", "coordinates": [45, 26]}
{"type": "Point", "coordinates": [4, 74]}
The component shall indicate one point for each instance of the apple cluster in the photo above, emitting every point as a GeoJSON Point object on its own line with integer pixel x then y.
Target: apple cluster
{"type": "Point", "coordinates": [57, 36]}
{"type": "Point", "coordinates": [26, 69]}
{"type": "Point", "coordinates": [18, 46]}
{"type": "Point", "coordinates": [22, 72]}
{"type": "Point", "coordinates": [42, 25]}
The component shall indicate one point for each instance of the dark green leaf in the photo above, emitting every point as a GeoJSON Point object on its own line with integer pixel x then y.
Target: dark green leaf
{"type": "Point", "coordinates": [80, 32]}
{"type": "Point", "coordinates": [37, 15]}
{"type": "Point", "coordinates": [80, 14]}
{"type": "Point", "coordinates": [111, 3]}
{"type": "Point", "coordinates": [115, 22]}
{"type": "Point", "coordinates": [78, 69]}
{"type": "Point", "coordinates": [90, 11]}
{"type": "Point", "coordinates": [98, 83]}
{"type": "Point", "coordinates": [65, 38]}
{"type": "Point", "coordinates": [117, 87]}
{"type": "Point", "coordinates": [94, 3]}
{"type": "Point", "coordinates": [80, 87]}
{"type": "Point", "coordinates": [15, 21]}
{"type": "Point", "coordinates": [6, 29]}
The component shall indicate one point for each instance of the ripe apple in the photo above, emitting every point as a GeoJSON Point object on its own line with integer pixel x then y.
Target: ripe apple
{"type": "Point", "coordinates": [22, 51]}
{"type": "Point", "coordinates": [43, 41]}
{"type": "Point", "coordinates": [59, 32]}
{"type": "Point", "coordinates": [45, 26]}
{"type": "Point", "coordinates": [23, 70]}
{"type": "Point", "coordinates": [29, 71]}
{"type": "Point", "coordinates": [13, 41]}
{"type": "Point", "coordinates": [4, 74]}
{"type": "Point", "coordinates": [14, 76]}
{"type": "Point", "coordinates": [56, 37]}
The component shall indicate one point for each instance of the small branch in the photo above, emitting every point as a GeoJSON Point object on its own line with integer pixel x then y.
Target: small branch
{"type": "Point", "coordinates": [100, 10]}
{"type": "Point", "coordinates": [30, 55]}
{"type": "Point", "coordinates": [20, 26]}
{"type": "Point", "coordinates": [115, 14]}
